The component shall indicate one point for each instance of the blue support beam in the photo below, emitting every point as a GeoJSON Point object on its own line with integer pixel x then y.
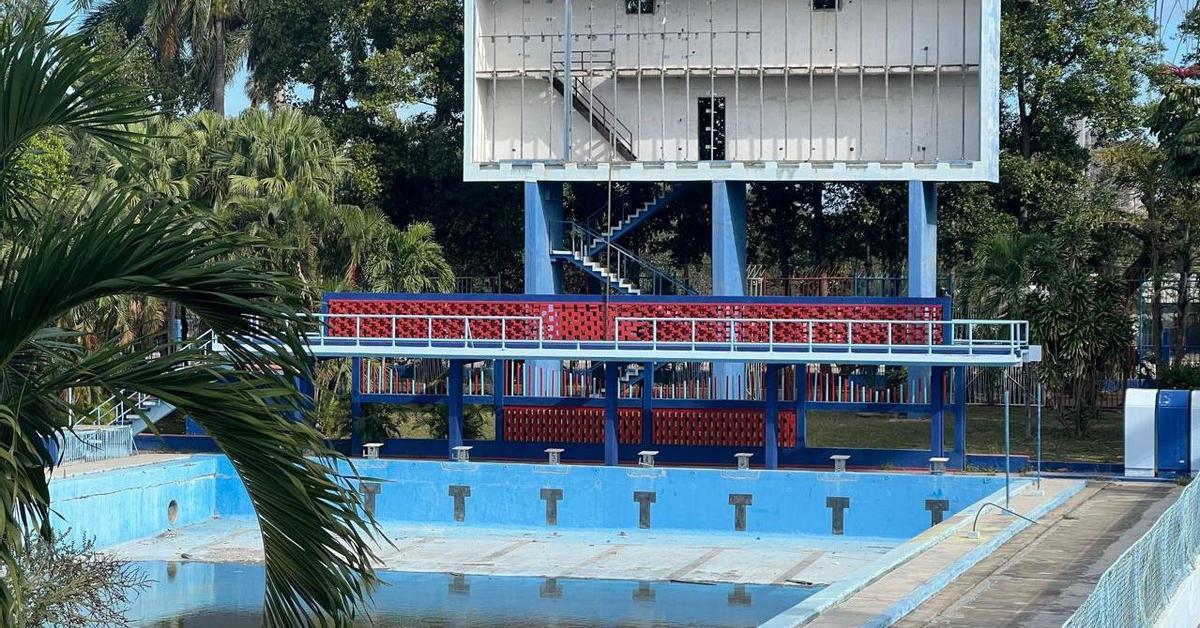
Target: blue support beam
{"type": "Point", "coordinates": [612, 374]}
{"type": "Point", "coordinates": [648, 404]}
{"type": "Point", "coordinates": [801, 406]}
{"type": "Point", "coordinates": [729, 271]}
{"type": "Point", "coordinates": [454, 406]}
{"type": "Point", "coordinates": [960, 417]}
{"type": "Point", "coordinates": [771, 415]}
{"type": "Point", "coordinates": [498, 384]}
{"type": "Point", "coordinates": [937, 417]}
{"type": "Point", "coordinates": [922, 255]}
{"type": "Point", "coordinates": [543, 275]}
{"type": "Point", "coordinates": [356, 440]}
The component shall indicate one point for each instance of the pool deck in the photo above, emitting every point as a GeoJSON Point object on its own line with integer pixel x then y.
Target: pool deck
{"type": "Point", "coordinates": [946, 551]}
{"type": "Point", "coordinates": [566, 553]}
{"type": "Point", "coordinates": [99, 466]}
{"type": "Point", "coordinates": [1044, 573]}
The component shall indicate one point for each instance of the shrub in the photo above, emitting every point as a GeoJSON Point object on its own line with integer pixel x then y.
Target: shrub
{"type": "Point", "coordinates": [1180, 377]}
{"type": "Point", "coordinates": [62, 583]}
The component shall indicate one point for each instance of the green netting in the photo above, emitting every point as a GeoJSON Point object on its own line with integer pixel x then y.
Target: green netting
{"type": "Point", "coordinates": [1138, 587]}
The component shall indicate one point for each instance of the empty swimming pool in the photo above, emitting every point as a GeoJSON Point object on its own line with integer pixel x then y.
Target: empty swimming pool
{"type": "Point", "coordinates": [702, 538]}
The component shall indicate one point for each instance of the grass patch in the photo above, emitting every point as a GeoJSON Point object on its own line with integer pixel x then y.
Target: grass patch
{"type": "Point", "coordinates": [985, 433]}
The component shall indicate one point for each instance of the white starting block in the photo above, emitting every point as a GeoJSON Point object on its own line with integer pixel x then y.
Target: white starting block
{"type": "Point", "coordinates": [462, 453]}
{"type": "Point", "coordinates": [937, 466]}
{"type": "Point", "coordinates": [839, 462]}
{"type": "Point", "coordinates": [646, 458]}
{"type": "Point", "coordinates": [743, 460]}
{"type": "Point", "coordinates": [555, 455]}
{"type": "Point", "coordinates": [371, 450]}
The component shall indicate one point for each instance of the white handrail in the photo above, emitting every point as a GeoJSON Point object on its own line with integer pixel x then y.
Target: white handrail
{"type": "Point", "coordinates": [939, 336]}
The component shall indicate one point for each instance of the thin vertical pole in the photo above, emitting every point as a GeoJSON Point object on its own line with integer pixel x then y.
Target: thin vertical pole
{"type": "Point", "coordinates": [1039, 437]}
{"type": "Point", "coordinates": [568, 84]}
{"type": "Point", "coordinates": [801, 382]}
{"type": "Point", "coordinates": [1007, 468]}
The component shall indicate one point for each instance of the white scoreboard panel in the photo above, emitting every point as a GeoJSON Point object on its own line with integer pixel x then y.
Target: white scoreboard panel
{"type": "Point", "coordinates": [665, 90]}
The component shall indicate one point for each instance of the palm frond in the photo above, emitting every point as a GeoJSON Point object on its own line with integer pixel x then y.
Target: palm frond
{"type": "Point", "coordinates": [316, 539]}
{"type": "Point", "coordinates": [54, 79]}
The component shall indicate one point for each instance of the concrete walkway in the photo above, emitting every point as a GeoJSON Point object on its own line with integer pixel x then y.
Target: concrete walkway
{"type": "Point", "coordinates": [891, 596]}
{"type": "Point", "coordinates": [1044, 573]}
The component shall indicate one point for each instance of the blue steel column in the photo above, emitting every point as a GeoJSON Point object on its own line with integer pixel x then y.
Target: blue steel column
{"type": "Point", "coordinates": [922, 256]}
{"type": "Point", "coordinates": [543, 276]}
{"type": "Point", "coordinates": [356, 440]}
{"type": "Point", "coordinates": [454, 403]}
{"type": "Point", "coordinates": [960, 417]}
{"type": "Point", "coordinates": [611, 388]}
{"type": "Point", "coordinates": [498, 384]}
{"type": "Point", "coordinates": [648, 404]}
{"type": "Point", "coordinates": [771, 424]}
{"type": "Point", "coordinates": [802, 406]}
{"type": "Point", "coordinates": [729, 271]}
{"type": "Point", "coordinates": [937, 414]}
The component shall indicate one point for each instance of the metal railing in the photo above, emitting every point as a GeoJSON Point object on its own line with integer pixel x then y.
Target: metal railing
{"type": "Point", "coordinates": [962, 336]}
{"type": "Point", "coordinates": [587, 60]}
{"type": "Point", "coordinates": [479, 285]}
{"type": "Point", "coordinates": [875, 337]}
{"type": "Point", "coordinates": [622, 267]}
{"type": "Point", "coordinates": [1137, 588]}
{"type": "Point", "coordinates": [124, 408]}
{"type": "Point", "coordinates": [87, 444]}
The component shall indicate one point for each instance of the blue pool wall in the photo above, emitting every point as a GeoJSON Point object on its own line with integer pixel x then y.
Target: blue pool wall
{"type": "Point", "coordinates": [132, 503]}
{"type": "Point", "coordinates": [881, 505]}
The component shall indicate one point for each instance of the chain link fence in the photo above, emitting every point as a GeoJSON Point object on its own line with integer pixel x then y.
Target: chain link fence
{"type": "Point", "coordinates": [1140, 585]}
{"type": "Point", "coordinates": [88, 444]}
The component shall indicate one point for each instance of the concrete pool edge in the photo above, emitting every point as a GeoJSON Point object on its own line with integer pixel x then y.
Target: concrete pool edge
{"type": "Point", "coordinates": [910, 602]}
{"type": "Point", "coordinates": [842, 590]}
{"type": "Point", "coordinates": [835, 597]}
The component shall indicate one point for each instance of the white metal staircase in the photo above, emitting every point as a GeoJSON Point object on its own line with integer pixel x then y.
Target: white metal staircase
{"type": "Point", "coordinates": [621, 270]}
{"type": "Point", "coordinates": [599, 115]}
{"type": "Point", "coordinates": [135, 409]}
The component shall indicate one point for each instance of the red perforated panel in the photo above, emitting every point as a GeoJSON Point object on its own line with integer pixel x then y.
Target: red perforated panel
{"type": "Point", "coordinates": [558, 424]}
{"type": "Point", "coordinates": [595, 321]}
{"type": "Point", "coordinates": [743, 428]}
{"type": "Point", "coordinates": [716, 427]}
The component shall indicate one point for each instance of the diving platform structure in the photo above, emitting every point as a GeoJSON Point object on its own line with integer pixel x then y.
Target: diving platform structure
{"type": "Point", "coordinates": [605, 377]}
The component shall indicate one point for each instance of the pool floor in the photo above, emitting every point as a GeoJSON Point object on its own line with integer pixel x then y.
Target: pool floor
{"type": "Point", "coordinates": [593, 554]}
{"type": "Point", "coordinates": [230, 595]}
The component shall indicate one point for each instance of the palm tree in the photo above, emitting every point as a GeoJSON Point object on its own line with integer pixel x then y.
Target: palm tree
{"type": "Point", "coordinates": [409, 261]}
{"type": "Point", "coordinates": [66, 253]}
{"type": "Point", "coordinates": [212, 33]}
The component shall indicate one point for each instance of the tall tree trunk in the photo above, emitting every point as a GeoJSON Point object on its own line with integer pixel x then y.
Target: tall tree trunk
{"type": "Point", "coordinates": [217, 79]}
{"type": "Point", "coordinates": [1026, 120]}
{"type": "Point", "coordinates": [1156, 306]}
{"type": "Point", "coordinates": [1183, 302]}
